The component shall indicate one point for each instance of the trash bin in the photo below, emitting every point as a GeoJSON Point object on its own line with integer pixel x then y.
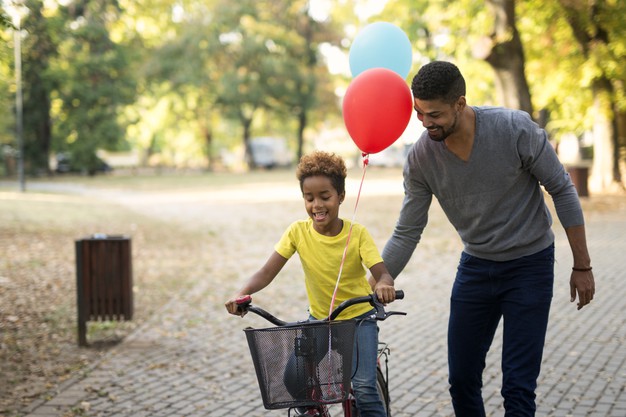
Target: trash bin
{"type": "Point", "coordinates": [579, 176]}
{"type": "Point", "coordinates": [104, 280]}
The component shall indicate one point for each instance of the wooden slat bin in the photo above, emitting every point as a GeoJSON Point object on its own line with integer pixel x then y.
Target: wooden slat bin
{"type": "Point", "coordinates": [104, 281]}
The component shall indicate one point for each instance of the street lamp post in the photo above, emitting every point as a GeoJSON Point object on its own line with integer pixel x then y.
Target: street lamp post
{"type": "Point", "coordinates": [16, 9]}
{"type": "Point", "coordinates": [19, 102]}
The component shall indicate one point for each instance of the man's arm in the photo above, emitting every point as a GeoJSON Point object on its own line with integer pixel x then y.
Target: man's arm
{"type": "Point", "coordinates": [582, 282]}
{"type": "Point", "coordinates": [544, 164]}
{"type": "Point", "coordinates": [407, 232]}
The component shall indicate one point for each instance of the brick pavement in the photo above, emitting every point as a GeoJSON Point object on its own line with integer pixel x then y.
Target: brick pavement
{"type": "Point", "coordinates": [191, 359]}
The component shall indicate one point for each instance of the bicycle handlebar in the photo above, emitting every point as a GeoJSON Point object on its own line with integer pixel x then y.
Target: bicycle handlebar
{"type": "Point", "coordinates": [381, 314]}
{"type": "Point", "coordinates": [245, 304]}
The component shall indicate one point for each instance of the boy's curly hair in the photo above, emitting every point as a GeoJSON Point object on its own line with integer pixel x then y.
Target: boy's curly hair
{"type": "Point", "coordinates": [323, 163]}
{"type": "Point", "coordinates": [438, 80]}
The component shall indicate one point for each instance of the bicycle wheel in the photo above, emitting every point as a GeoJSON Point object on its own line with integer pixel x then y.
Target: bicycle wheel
{"type": "Point", "coordinates": [383, 392]}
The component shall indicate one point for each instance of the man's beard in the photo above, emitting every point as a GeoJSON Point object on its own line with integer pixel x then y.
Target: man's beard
{"type": "Point", "coordinates": [445, 132]}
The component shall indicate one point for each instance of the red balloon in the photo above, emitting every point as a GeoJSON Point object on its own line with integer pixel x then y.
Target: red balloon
{"type": "Point", "coordinates": [377, 108]}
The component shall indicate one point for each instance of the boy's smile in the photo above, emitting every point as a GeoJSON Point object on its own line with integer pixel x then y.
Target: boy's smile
{"type": "Point", "coordinates": [320, 216]}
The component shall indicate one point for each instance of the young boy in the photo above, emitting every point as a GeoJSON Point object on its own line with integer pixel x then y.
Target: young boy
{"type": "Point", "coordinates": [320, 241]}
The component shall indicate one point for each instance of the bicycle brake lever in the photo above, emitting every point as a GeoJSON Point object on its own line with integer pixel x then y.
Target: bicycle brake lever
{"type": "Point", "coordinates": [379, 307]}
{"type": "Point", "coordinates": [381, 314]}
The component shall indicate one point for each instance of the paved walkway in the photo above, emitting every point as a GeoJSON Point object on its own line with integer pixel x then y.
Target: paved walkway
{"type": "Point", "coordinates": [192, 358]}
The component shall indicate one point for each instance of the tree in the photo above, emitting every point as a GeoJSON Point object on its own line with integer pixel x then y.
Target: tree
{"type": "Point", "coordinates": [8, 148]}
{"type": "Point", "coordinates": [598, 28]}
{"type": "Point", "coordinates": [542, 36]}
{"type": "Point", "coordinates": [464, 30]}
{"type": "Point", "coordinates": [95, 87]}
{"type": "Point", "coordinates": [184, 69]}
{"type": "Point", "coordinates": [39, 48]}
{"type": "Point", "coordinates": [303, 74]}
{"type": "Point", "coordinates": [459, 31]}
{"type": "Point", "coordinates": [505, 53]}
{"type": "Point", "coordinates": [269, 63]}
{"type": "Point", "coordinates": [243, 60]}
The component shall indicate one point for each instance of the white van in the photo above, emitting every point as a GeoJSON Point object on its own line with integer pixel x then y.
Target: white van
{"type": "Point", "coordinates": [270, 152]}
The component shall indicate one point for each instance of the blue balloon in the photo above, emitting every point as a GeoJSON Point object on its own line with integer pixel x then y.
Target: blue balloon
{"type": "Point", "coordinates": [381, 45]}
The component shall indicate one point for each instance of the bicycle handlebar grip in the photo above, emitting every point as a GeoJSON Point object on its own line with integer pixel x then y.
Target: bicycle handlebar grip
{"type": "Point", "coordinates": [244, 299]}
{"type": "Point", "coordinates": [399, 294]}
{"type": "Point", "coordinates": [243, 303]}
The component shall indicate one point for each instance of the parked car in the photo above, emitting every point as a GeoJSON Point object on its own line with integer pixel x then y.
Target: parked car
{"type": "Point", "coordinates": [390, 157]}
{"type": "Point", "coordinates": [64, 165]}
{"type": "Point", "coordinates": [270, 152]}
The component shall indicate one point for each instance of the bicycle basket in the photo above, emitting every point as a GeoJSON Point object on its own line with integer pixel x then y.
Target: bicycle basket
{"type": "Point", "coordinates": [303, 365]}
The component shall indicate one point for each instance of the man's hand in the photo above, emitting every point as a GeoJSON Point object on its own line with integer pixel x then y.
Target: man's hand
{"type": "Point", "coordinates": [582, 284]}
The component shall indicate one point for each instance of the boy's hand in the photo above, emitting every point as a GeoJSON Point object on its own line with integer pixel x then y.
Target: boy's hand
{"type": "Point", "coordinates": [386, 293]}
{"type": "Point", "coordinates": [233, 308]}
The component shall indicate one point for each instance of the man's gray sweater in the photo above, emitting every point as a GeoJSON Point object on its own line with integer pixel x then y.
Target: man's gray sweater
{"type": "Point", "coordinates": [494, 200]}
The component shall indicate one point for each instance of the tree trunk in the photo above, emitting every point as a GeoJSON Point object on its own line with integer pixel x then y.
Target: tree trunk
{"type": "Point", "coordinates": [621, 149]}
{"type": "Point", "coordinates": [207, 134]}
{"type": "Point", "coordinates": [302, 121]}
{"type": "Point", "coordinates": [605, 175]}
{"type": "Point", "coordinates": [605, 172]}
{"type": "Point", "coordinates": [208, 142]}
{"type": "Point", "coordinates": [602, 168]}
{"type": "Point", "coordinates": [506, 55]}
{"type": "Point", "coordinates": [246, 123]}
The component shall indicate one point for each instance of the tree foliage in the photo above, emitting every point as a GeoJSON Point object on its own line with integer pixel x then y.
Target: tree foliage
{"type": "Point", "coordinates": [98, 83]}
{"type": "Point", "coordinates": [39, 48]}
{"type": "Point", "coordinates": [572, 58]}
{"type": "Point", "coordinates": [180, 80]}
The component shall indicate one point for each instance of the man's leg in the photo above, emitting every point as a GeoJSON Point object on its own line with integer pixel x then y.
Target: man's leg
{"type": "Point", "coordinates": [526, 297]}
{"type": "Point", "coordinates": [474, 317]}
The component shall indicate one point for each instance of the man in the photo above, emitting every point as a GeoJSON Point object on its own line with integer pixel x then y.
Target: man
{"type": "Point", "coordinates": [485, 166]}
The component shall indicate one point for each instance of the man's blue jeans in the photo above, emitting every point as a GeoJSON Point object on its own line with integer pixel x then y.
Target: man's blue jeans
{"type": "Point", "coordinates": [519, 291]}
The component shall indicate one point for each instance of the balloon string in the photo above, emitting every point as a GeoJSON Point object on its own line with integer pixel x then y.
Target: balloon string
{"type": "Point", "coordinates": [343, 259]}
{"type": "Point", "coordinates": [345, 250]}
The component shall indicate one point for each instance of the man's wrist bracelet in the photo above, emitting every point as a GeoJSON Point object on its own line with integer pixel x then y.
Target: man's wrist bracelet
{"type": "Point", "coordinates": [582, 269]}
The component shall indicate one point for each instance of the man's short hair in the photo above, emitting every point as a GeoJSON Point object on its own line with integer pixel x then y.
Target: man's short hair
{"type": "Point", "coordinates": [438, 80]}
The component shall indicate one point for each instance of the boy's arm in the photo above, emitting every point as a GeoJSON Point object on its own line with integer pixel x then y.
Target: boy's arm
{"type": "Point", "coordinates": [382, 283]}
{"type": "Point", "coordinates": [259, 280]}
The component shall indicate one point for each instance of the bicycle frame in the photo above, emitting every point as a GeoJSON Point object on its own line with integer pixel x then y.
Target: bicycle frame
{"type": "Point", "coordinates": [349, 404]}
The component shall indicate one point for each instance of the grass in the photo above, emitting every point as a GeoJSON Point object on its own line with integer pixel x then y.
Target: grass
{"type": "Point", "coordinates": [38, 330]}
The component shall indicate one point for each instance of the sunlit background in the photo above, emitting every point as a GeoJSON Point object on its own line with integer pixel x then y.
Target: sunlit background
{"type": "Point", "coordinates": [111, 86]}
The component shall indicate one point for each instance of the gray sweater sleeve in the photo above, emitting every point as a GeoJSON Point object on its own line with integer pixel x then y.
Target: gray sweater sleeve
{"type": "Point", "coordinates": [411, 222]}
{"type": "Point", "coordinates": [540, 159]}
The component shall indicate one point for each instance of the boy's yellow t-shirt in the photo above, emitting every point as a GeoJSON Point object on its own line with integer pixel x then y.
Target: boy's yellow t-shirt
{"type": "Point", "coordinates": [321, 255]}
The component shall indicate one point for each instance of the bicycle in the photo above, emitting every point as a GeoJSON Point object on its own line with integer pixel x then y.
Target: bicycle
{"type": "Point", "coordinates": [315, 357]}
